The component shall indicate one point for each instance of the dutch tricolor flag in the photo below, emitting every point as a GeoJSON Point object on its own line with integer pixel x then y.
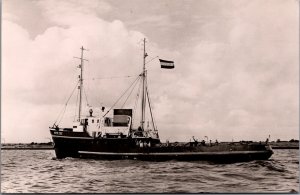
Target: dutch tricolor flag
{"type": "Point", "coordinates": [166, 64]}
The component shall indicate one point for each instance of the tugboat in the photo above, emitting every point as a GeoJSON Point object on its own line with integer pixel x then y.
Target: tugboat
{"type": "Point", "coordinates": [114, 137]}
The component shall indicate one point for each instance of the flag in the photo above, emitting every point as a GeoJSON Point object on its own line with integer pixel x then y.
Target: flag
{"type": "Point", "coordinates": [166, 64]}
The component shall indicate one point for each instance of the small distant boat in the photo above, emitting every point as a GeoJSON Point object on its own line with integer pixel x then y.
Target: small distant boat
{"type": "Point", "coordinates": [105, 137]}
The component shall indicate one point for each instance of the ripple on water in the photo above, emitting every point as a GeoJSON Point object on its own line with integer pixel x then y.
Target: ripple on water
{"type": "Point", "coordinates": [35, 171]}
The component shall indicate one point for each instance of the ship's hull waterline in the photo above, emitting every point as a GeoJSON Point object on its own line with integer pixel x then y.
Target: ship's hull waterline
{"type": "Point", "coordinates": [81, 145]}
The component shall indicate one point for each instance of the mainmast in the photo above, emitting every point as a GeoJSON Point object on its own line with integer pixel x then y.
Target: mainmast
{"type": "Point", "coordinates": [144, 91]}
{"type": "Point", "coordinates": [80, 87]}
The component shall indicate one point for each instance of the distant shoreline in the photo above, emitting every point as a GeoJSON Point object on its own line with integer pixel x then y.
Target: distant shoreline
{"type": "Point", "coordinates": [26, 148]}
{"type": "Point", "coordinates": [283, 147]}
{"type": "Point", "coordinates": [49, 146]}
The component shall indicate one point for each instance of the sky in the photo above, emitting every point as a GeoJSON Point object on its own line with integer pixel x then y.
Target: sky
{"type": "Point", "coordinates": [236, 73]}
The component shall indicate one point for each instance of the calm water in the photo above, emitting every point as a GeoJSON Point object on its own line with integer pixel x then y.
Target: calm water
{"type": "Point", "coordinates": [35, 171]}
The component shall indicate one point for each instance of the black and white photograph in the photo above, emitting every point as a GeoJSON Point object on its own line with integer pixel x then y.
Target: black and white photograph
{"type": "Point", "coordinates": [150, 96]}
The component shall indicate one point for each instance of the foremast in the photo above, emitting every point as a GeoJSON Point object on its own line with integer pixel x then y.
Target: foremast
{"type": "Point", "coordinates": [80, 86]}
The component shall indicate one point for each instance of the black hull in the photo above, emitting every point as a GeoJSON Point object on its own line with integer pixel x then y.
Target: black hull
{"type": "Point", "coordinates": [81, 145]}
{"type": "Point", "coordinates": [226, 157]}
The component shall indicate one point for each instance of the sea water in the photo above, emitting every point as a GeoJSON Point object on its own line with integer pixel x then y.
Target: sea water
{"type": "Point", "coordinates": [38, 171]}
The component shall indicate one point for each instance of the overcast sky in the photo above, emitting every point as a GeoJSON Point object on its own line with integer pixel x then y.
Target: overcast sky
{"type": "Point", "coordinates": [236, 70]}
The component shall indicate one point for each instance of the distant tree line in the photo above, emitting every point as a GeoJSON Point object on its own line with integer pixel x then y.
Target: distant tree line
{"type": "Point", "coordinates": [292, 140]}
{"type": "Point", "coordinates": [34, 143]}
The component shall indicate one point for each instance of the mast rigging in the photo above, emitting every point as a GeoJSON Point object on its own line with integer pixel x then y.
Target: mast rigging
{"type": "Point", "coordinates": [80, 81]}
{"type": "Point", "coordinates": [143, 89]}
